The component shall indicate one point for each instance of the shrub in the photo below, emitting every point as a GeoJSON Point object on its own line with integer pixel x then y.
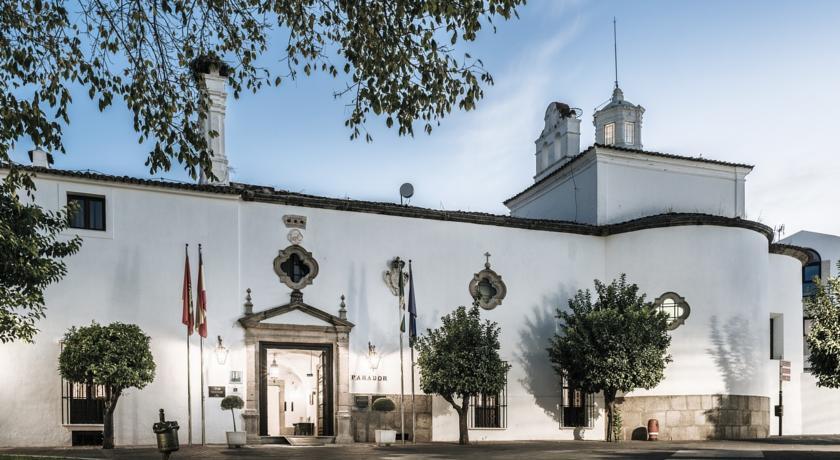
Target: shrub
{"type": "Point", "coordinates": [230, 403]}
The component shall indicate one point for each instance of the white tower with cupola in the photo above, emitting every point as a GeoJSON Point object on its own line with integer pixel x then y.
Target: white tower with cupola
{"type": "Point", "coordinates": [619, 123]}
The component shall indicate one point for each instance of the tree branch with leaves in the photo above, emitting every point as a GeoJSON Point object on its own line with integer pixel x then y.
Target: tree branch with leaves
{"type": "Point", "coordinates": [396, 59]}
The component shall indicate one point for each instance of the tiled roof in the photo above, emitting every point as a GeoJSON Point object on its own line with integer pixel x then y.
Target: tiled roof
{"type": "Point", "coordinates": [625, 149]}
{"type": "Point", "coordinates": [97, 176]}
{"type": "Point", "coordinates": [271, 195]}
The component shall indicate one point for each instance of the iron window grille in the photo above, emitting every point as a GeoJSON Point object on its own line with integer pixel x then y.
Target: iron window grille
{"type": "Point", "coordinates": [82, 403]}
{"type": "Point", "coordinates": [577, 408]}
{"type": "Point", "coordinates": [89, 212]}
{"type": "Point", "coordinates": [488, 410]}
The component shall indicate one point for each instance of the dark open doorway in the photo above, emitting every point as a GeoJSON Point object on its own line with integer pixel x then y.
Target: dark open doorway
{"type": "Point", "coordinates": [314, 379]}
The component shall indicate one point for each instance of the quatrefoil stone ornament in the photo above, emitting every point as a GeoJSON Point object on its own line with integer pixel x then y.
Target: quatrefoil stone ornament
{"type": "Point", "coordinates": [487, 288]}
{"type": "Point", "coordinates": [295, 267]}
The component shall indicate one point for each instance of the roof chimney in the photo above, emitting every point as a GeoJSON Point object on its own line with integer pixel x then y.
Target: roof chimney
{"type": "Point", "coordinates": [559, 140]}
{"type": "Point", "coordinates": [40, 158]}
{"type": "Point", "coordinates": [211, 73]}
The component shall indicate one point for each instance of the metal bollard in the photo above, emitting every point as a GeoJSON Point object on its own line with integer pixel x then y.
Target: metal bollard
{"type": "Point", "coordinates": [167, 436]}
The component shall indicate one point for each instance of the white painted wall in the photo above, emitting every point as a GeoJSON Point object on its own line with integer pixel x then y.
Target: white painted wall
{"type": "Point", "coordinates": [134, 275]}
{"type": "Point", "coordinates": [630, 187]}
{"type": "Point", "coordinates": [608, 186]}
{"type": "Point", "coordinates": [571, 196]}
{"type": "Point", "coordinates": [722, 273]}
{"type": "Point", "coordinates": [786, 300]}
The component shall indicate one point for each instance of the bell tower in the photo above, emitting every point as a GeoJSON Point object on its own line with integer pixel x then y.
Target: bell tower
{"type": "Point", "coordinates": [618, 122]}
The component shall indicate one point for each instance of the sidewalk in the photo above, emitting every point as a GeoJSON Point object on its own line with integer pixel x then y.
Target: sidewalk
{"type": "Point", "coordinates": [825, 447]}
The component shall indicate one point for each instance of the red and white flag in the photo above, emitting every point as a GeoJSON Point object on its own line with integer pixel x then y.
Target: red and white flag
{"type": "Point", "coordinates": [186, 295]}
{"type": "Point", "coordinates": [201, 305]}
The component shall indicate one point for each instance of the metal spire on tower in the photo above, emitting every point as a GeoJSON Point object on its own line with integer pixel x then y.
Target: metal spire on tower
{"type": "Point", "coordinates": [615, 52]}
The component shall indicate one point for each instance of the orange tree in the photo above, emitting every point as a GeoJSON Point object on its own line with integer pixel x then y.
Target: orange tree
{"type": "Point", "coordinates": [116, 356]}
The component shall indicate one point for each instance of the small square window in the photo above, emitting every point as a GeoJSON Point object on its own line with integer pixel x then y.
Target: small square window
{"type": "Point", "coordinates": [609, 133]}
{"type": "Point", "coordinates": [88, 212]}
{"type": "Point", "coordinates": [629, 133]}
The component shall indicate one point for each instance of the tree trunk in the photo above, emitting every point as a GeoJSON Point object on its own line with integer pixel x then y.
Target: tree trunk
{"type": "Point", "coordinates": [233, 416]}
{"type": "Point", "coordinates": [609, 401]}
{"type": "Point", "coordinates": [463, 428]}
{"type": "Point", "coordinates": [462, 410]}
{"type": "Point", "coordinates": [111, 398]}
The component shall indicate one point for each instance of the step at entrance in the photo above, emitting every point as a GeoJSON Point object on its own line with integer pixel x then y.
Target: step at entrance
{"type": "Point", "coordinates": [298, 440]}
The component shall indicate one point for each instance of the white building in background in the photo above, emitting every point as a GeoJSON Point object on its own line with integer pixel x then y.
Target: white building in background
{"type": "Point", "coordinates": [296, 293]}
{"type": "Point", "coordinates": [819, 414]}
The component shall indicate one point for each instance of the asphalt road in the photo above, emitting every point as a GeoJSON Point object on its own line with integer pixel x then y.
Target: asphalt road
{"type": "Point", "coordinates": [773, 448]}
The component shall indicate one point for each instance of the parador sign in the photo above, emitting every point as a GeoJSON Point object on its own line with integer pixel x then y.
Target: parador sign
{"type": "Point", "coordinates": [368, 378]}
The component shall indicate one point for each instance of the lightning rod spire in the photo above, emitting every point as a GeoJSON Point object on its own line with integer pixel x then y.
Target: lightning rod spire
{"type": "Point", "coordinates": [615, 52]}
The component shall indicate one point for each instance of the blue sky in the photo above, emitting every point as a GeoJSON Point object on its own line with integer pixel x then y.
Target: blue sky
{"type": "Point", "coordinates": [748, 81]}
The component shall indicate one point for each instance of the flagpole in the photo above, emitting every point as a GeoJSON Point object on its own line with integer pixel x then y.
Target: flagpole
{"type": "Point", "coordinates": [411, 339]}
{"type": "Point", "coordinates": [203, 441]}
{"type": "Point", "coordinates": [402, 367]}
{"type": "Point", "coordinates": [202, 332]}
{"type": "Point", "coordinates": [188, 292]}
{"type": "Point", "coordinates": [189, 395]}
{"type": "Point", "coordinates": [413, 411]}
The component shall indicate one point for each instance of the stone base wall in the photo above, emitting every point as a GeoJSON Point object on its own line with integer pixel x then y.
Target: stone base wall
{"type": "Point", "coordinates": [364, 421]}
{"type": "Point", "coordinates": [696, 417]}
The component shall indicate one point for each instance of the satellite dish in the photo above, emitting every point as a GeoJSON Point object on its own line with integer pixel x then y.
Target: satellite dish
{"type": "Point", "coordinates": [406, 191]}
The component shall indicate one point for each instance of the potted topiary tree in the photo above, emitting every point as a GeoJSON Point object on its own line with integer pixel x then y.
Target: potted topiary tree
{"type": "Point", "coordinates": [234, 438]}
{"type": "Point", "coordinates": [386, 437]}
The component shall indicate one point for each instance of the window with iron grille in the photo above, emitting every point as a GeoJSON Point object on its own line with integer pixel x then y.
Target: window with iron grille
{"type": "Point", "coordinates": [82, 403]}
{"type": "Point", "coordinates": [488, 410]}
{"type": "Point", "coordinates": [577, 408]}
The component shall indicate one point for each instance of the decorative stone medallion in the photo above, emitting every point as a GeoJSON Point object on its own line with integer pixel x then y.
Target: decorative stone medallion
{"type": "Point", "coordinates": [296, 267]}
{"type": "Point", "coordinates": [675, 306]}
{"type": "Point", "coordinates": [295, 236]}
{"type": "Point", "coordinates": [487, 288]}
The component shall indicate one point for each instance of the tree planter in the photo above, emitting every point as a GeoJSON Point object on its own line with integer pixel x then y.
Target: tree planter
{"type": "Point", "coordinates": [235, 438]}
{"type": "Point", "coordinates": [386, 437]}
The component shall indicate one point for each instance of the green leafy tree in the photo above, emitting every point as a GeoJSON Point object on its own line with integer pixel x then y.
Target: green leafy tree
{"type": "Point", "coordinates": [824, 337]}
{"type": "Point", "coordinates": [459, 360]}
{"type": "Point", "coordinates": [398, 60]}
{"type": "Point", "coordinates": [619, 342]}
{"type": "Point", "coordinates": [31, 255]}
{"type": "Point", "coordinates": [116, 356]}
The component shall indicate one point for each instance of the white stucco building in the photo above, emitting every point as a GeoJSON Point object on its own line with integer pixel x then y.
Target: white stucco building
{"type": "Point", "coordinates": [278, 263]}
{"type": "Point", "coordinates": [818, 404]}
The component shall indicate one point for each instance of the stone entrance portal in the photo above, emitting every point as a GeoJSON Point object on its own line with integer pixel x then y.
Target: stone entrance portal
{"type": "Point", "coordinates": [297, 325]}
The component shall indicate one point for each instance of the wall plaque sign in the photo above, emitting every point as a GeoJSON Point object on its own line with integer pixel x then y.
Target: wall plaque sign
{"type": "Point", "coordinates": [368, 378]}
{"type": "Point", "coordinates": [216, 391]}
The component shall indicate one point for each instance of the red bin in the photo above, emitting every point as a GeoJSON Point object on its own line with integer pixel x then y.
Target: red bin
{"type": "Point", "coordinates": [653, 429]}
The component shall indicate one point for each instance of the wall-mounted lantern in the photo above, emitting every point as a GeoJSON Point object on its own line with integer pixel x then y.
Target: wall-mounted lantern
{"type": "Point", "coordinates": [221, 351]}
{"type": "Point", "coordinates": [373, 357]}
